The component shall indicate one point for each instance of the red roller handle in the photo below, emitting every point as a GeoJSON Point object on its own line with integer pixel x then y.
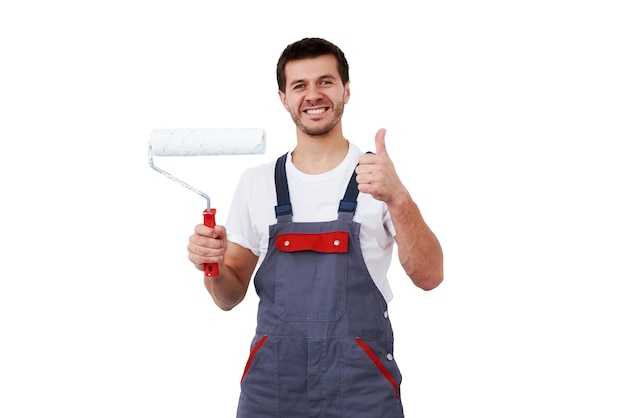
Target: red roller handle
{"type": "Point", "coordinates": [210, 269]}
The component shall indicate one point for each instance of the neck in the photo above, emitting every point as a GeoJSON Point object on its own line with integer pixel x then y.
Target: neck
{"type": "Point", "coordinates": [319, 154]}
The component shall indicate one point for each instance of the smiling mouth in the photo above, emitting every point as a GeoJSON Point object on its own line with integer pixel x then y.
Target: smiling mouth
{"type": "Point", "coordinates": [315, 111]}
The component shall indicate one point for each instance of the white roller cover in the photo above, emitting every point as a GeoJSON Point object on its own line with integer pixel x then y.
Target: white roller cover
{"type": "Point", "coordinates": [190, 142]}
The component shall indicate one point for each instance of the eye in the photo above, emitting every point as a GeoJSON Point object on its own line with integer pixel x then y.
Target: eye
{"type": "Point", "coordinates": [298, 86]}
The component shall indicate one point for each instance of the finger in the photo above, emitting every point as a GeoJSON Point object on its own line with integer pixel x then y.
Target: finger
{"type": "Point", "coordinates": [219, 232]}
{"type": "Point", "coordinates": [379, 139]}
{"type": "Point", "coordinates": [203, 230]}
{"type": "Point", "coordinates": [365, 159]}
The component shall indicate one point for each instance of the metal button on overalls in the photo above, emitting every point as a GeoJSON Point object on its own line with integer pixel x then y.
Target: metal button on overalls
{"type": "Point", "coordinates": [323, 345]}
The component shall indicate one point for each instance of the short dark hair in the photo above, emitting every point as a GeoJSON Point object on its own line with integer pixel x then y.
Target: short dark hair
{"type": "Point", "coordinates": [310, 48]}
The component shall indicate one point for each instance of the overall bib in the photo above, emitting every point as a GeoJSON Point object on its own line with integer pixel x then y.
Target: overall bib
{"type": "Point", "coordinates": [324, 344]}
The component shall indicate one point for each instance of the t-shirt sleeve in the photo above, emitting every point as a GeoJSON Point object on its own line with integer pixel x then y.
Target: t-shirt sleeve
{"type": "Point", "coordinates": [239, 227]}
{"type": "Point", "coordinates": [388, 223]}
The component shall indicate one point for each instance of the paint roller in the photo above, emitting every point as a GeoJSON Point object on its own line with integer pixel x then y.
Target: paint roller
{"type": "Point", "coordinates": [204, 142]}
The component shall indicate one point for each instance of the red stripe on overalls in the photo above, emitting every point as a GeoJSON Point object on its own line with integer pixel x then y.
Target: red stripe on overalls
{"type": "Point", "coordinates": [380, 365]}
{"type": "Point", "coordinates": [251, 357]}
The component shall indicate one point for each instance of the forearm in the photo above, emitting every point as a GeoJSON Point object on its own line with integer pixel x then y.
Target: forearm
{"type": "Point", "coordinates": [419, 251]}
{"type": "Point", "coordinates": [225, 289]}
{"type": "Point", "coordinates": [229, 288]}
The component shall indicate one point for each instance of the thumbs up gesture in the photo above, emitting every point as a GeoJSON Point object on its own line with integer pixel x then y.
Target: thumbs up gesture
{"type": "Point", "coordinates": [376, 174]}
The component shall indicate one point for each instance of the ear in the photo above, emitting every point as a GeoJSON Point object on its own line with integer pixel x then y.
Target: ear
{"type": "Point", "coordinates": [346, 92]}
{"type": "Point", "coordinates": [283, 100]}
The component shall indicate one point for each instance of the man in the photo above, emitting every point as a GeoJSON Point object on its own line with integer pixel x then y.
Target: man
{"type": "Point", "coordinates": [323, 232]}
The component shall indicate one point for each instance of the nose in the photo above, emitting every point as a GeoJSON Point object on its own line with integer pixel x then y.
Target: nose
{"type": "Point", "coordinates": [313, 93]}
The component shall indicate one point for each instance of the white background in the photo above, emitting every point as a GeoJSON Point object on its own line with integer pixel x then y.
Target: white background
{"type": "Point", "coordinates": [505, 119]}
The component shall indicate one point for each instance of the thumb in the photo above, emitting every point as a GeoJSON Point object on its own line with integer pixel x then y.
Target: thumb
{"type": "Point", "coordinates": [381, 149]}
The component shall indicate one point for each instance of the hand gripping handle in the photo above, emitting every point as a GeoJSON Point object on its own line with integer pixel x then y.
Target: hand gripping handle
{"type": "Point", "coordinates": [210, 269]}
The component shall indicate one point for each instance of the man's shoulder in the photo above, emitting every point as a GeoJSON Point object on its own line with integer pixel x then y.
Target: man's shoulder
{"type": "Point", "coordinates": [260, 169]}
{"type": "Point", "coordinates": [258, 174]}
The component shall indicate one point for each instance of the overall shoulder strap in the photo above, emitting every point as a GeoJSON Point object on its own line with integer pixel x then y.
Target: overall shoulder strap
{"type": "Point", "coordinates": [348, 203]}
{"type": "Point", "coordinates": [347, 206]}
{"type": "Point", "coordinates": [283, 208]}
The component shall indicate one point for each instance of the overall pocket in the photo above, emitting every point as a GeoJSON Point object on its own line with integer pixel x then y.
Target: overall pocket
{"type": "Point", "coordinates": [259, 382]}
{"type": "Point", "coordinates": [370, 379]}
{"type": "Point", "coordinates": [253, 352]}
{"type": "Point", "coordinates": [311, 274]}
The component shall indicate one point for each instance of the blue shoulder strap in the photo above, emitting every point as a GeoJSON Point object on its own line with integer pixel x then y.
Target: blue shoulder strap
{"type": "Point", "coordinates": [283, 208]}
{"type": "Point", "coordinates": [347, 206]}
{"type": "Point", "coordinates": [348, 203]}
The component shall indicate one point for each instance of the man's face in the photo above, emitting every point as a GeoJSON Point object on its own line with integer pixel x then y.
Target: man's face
{"type": "Point", "coordinates": [314, 94]}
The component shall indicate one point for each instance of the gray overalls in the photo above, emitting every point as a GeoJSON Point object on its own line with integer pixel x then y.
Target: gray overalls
{"type": "Point", "coordinates": [324, 344]}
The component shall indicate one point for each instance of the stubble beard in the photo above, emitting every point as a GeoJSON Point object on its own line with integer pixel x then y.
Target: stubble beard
{"type": "Point", "coordinates": [319, 130]}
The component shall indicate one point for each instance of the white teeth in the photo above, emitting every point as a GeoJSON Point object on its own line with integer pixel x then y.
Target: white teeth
{"type": "Point", "coordinates": [315, 111]}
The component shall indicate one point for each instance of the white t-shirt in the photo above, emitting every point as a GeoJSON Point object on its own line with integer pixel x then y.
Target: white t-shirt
{"type": "Point", "coordinates": [314, 198]}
